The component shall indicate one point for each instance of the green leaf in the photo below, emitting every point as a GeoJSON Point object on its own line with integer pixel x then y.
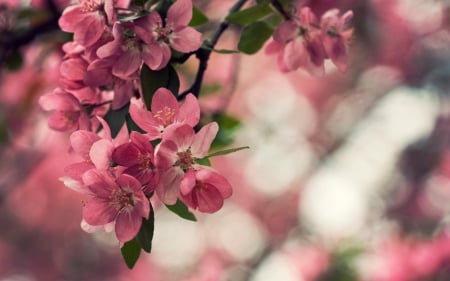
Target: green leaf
{"type": "Point", "coordinates": [173, 82]}
{"type": "Point", "coordinates": [182, 210]}
{"type": "Point", "coordinates": [116, 119]}
{"type": "Point", "coordinates": [210, 89]}
{"type": "Point", "coordinates": [14, 61]}
{"type": "Point", "coordinates": [250, 15]}
{"type": "Point", "coordinates": [140, 3]}
{"type": "Point", "coordinates": [254, 36]}
{"type": "Point", "coordinates": [227, 151]}
{"type": "Point", "coordinates": [132, 126]}
{"type": "Point", "coordinates": [203, 161]}
{"type": "Point", "coordinates": [130, 252]}
{"type": "Point", "coordinates": [198, 18]}
{"type": "Point", "coordinates": [152, 80]}
{"type": "Point", "coordinates": [273, 20]}
{"type": "Point", "coordinates": [226, 52]}
{"type": "Point", "coordinates": [131, 17]}
{"type": "Point", "coordinates": [228, 125]}
{"type": "Point", "coordinates": [145, 234]}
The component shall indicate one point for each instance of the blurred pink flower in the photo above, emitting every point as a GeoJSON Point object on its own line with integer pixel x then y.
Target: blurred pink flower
{"type": "Point", "coordinates": [335, 36]}
{"type": "Point", "coordinates": [87, 20]}
{"type": "Point", "coordinates": [81, 142]}
{"type": "Point", "coordinates": [99, 73]}
{"type": "Point", "coordinates": [73, 71]}
{"type": "Point", "coordinates": [298, 43]}
{"type": "Point", "coordinates": [68, 114]}
{"type": "Point", "coordinates": [121, 201]}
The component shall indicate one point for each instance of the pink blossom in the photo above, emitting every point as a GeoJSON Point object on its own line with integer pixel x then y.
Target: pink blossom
{"type": "Point", "coordinates": [298, 43]}
{"type": "Point", "coordinates": [165, 112]}
{"type": "Point", "coordinates": [87, 20]}
{"type": "Point", "coordinates": [137, 156]}
{"type": "Point", "coordinates": [127, 51]}
{"type": "Point", "coordinates": [68, 114]}
{"type": "Point", "coordinates": [101, 150]}
{"type": "Point", "coordinates": [178, 153]}
{"type": "Point", "coordinates": [174, 31]}
{"type": "Point", "coordinates": [335, 36]}
{"type": "Point", "coordinates": [81, 142]}
{"type": "Point", "coordinates": [99, 73]}
{"type": "Point", "coordinates": [204, 189]}
{"type": "Point", "coordinates": [118, 200]}
{"type": "Point", "coordinates": [73, 71]}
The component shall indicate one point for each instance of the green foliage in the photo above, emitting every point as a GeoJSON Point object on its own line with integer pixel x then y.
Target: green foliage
{"type": "Point", "coordinates": [133, 16]}
{"type": "Point", "coordinates": [210, 89]}
{"type": "Point", "coordinates": [116, 119]}
{"type": "Point", "coordinates": [198, 18]}
{"type": "Point", "coordinates": [131, 252]}
{"type": "Point", "coordinates": [227, 151]}
{"type": "Point", "coordinates": [203, 161]}
{"type": "Point", "coordinates": [254, 36]}
{"type": "Point", "coordinates": [4, 135]}
{"type": "Point", "coordinates": [152, 80]}
{"type": "Point", "coordinates": [342, 266]}
{"type": "Point", "coordinates": [145, 235]}
{"type": "Point", "coordinates": [228, 125]}
{"type": "Point", "coordinates": [132, 126]}
{"type": "Point", "coordinates": [273, 20]}
{"type": "Point", "coordinates": [250, 15]}
{"type": "Point", "coordinates": [140, 3]}
{"type": "Point", "coordinates": [181, 210]}
{"type": "Point", "coordinates": [14, 61]}
{"type": "Point", "coordinates": [224, 52]}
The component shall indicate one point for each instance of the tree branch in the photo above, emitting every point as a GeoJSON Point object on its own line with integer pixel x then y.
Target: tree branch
{"type": "Point", "coordinates": [14, 41]}
{"type": "Point", "coordinates": [280, 9]}
{"type": "Point", "coordinates": [204, 53]}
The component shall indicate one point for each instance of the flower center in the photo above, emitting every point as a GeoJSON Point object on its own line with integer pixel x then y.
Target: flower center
{"type": "Point", "coordinates": [70, 117]}
{"type": "Point", "coordinates": [165, 116]}
{"type": "Point", "coordinates": [185, 160]}
{"type": "Point", "coordinates": [146, 164]}
{"type": "Point", "coordinates": [122, 200]}
{"type": "Point", "coordinates": [89, 6]}
{"type": "Point", "coordinates": [161, 34]}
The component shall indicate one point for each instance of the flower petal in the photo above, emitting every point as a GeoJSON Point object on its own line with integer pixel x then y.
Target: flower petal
{"type": "Point", "coordinates": [203, 139]}
{"type": "Point", "coordinates": [144, 119]}
{"type": "Point", "coordinates": [127, 226]}
{"type": "Point", "coordinates": [186, 40]}
{"type": "Point", "coordinates": [126, 154]}
{"type": "Point", "coordinates": [168, 187]}
{"type": "Point", "coordinates": [180, 13]}
{"type": "Point", "coordinates": [98, 211]}
{"type": "Point", "coordinates": [189, 111]}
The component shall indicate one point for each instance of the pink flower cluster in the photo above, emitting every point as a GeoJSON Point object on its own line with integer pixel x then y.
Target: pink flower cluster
{"type": "Point", "coordinates": [102, 64]}
{"type": "Point", "coordinates": [121, 174]}
{"type": "Point", "coordinates": [101, 67]}
{"type": "Point", "coordinates": [304, 42]}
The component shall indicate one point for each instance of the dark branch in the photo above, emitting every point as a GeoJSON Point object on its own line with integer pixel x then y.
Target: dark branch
{"type": "Point", "coordinates": [280, 9]}
{"type": "Point", "coordinates": [16, 40]}
{"type": "Point", "coordinates": [204, 53]}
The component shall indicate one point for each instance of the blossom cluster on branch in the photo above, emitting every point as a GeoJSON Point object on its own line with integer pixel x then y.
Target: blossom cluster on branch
{"type": "Point", "coordinates": [133, 136]}
{"type": "Point", "coordinates": [301, 41]}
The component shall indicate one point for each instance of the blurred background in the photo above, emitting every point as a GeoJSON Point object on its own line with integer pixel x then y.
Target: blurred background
{"type": "Point", "coordinates": [347, 177]}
